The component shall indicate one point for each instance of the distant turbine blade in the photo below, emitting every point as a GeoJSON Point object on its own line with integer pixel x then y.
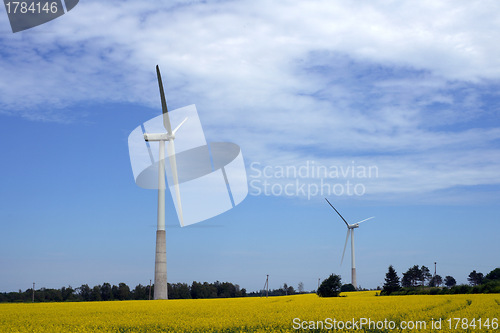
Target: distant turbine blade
{"type": "Point", "coordinates": [337, 213]}
{"type": "Point", "coordinates": [166, 119]}
{"type": "Point", "coordinates": [177, 128]}
{"type": "Point", "coordinates": [365, 220]}
{"type": "Point", "coordinates": [173, 166]}
{"type": "Point", "coordinates": [346, 240]}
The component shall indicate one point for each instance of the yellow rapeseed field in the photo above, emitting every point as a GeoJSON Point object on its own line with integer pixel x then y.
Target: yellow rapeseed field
{"type": "Point", "coordinates": [359, 311]}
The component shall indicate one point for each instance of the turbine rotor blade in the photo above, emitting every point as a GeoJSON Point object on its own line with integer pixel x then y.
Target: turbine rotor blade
{"type": "Point", "coordinates": [166, 119]}
{"type": "Point", "coordinates": [365, 220]}
{"type": "Point", "coordinates": [346, 240]}
{"type": "Point", "coordinates": [177, 128]}
{"type": "Point", "coordinates": [337, 212]}
{"type": "Point", "coordinates": [173, 166]}
{"type": "Point", "coordinates": [149, 147]}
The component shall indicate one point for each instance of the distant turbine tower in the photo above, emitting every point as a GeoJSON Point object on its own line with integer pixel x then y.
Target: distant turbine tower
{"type": "Point", "coordinates": [350, 229]}
{"type": "Point", "coordinates": [161, 290]}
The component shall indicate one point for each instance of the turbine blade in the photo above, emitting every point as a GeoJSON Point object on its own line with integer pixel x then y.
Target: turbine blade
{"type": "Point", "coordinates": [147, 145]}
{"type": "Point", "coordinates": [365, 220]}
{"type": "Point", "coordinates": [166, 119]}
{"type": "Point", "coordinates": [337, 213]}
{"type": "Point", "coordinates": [173, 166]}
{"type": "Point", "coordinates": [345, 245]}
{"type": "Point", "coordinates": [177, 128]}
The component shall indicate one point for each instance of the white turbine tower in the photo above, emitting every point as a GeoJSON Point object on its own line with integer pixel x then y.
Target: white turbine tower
{"type": "Point", "coordinates": [161, 291]}
{"type": "Point", "coordinates": [350, 229]}
{"type": "Point", "coordinates": [211, 176]}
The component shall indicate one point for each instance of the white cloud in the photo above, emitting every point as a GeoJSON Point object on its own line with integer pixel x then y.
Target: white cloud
{"type": "Point", "coordinates": [378, 81]}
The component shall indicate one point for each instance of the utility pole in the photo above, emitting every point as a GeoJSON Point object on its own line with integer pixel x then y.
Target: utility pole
{"type": "Point", "coordinates": [149, 298]}
{"type": "Point", "coordinates": [267, 284]}
{"type": "Point", "coordinates": [33, 294]}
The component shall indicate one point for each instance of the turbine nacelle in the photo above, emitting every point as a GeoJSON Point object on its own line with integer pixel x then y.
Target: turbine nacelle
{"type": "Point", "coordinates": [164, 136]}
{"type": "Point", "coordinates": [158, 137]}
{"type": "Point", "coordinates": [353, 226]}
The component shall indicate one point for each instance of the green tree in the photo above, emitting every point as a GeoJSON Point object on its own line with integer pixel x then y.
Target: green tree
{"type": "Point", "coordinates": [178, 291]}
{"type": "Point", "coordinates": [123, 291]}
{"type": "Point", "coordinates": [211, 288]}
{"type": "Point", "coordinates": [330, 287]}
{"type": "Point", "coordinates": [67, 293]}
{"type": "Point", "coordinates": [106, 292]}
{"type": "Point", "coordinates": [114, 292]}
{"type": "Point", "coordinates": [475, 278]}
{"type": "Point", "coordinates": [239, 291]}
{"type": "Point", "coordinates": [425, 274]}
{"type": "Point", "coordinates": [84, 292]}
{"type": "Point", "coordinates": [225, 289]}
{"type": "Point", "coordinates": [347, 287]}
{"type": "Point", "coordinates": [436, 281]}
{"type": "Point", "coordinates": [205, 290]}
{"type": "Point", "coordinates": [411, 276]}
{"type": "Point", "coordinates": [450, 281]}
{"type": "Point", "coordinates": [391, 281]}
{"type": "Point", "coordinates": [140, 292]}
{"type": "Point", "coordinates": [197, 290]}
{"type": "Point", "coordinates": [494, 274]}
{"type": "Point", "coordinates": [96, 294]}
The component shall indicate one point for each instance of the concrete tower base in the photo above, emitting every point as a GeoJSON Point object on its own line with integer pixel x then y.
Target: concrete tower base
{"type": "Point", "coordinates": [161, 290]}
{"type": "Point", "coordinates": [353, 278]}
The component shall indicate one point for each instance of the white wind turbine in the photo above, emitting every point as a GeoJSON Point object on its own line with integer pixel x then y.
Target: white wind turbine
{"type": "Point", "coordinates": [350, 229]}
{"type": "Point", "coordinates": [161, 291]}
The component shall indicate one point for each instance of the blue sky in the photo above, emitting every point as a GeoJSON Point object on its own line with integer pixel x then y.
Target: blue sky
{"type": "Point", "coordinates": [409, 88]}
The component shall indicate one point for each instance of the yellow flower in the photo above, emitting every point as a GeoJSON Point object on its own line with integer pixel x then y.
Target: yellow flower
{"type": "Point", "coordinates": [452, 313]}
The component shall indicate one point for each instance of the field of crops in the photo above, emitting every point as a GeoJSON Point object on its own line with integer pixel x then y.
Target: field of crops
{"type": "Point", "coordinates": [274, 314]}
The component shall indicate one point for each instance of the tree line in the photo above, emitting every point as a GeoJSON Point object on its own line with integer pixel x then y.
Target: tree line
{"type": "Point", "coordinates": [285, 290]}
{"type": "Point", "coordinates": [108, 292]}
{"type": "Point", "coordinates": [419, 280]}
{"type": "Point", "coordinates": [332, 287]}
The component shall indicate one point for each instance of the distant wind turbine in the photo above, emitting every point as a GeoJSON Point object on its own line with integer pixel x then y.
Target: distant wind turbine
{"type": "Point", "coordinates": [350, 229]}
